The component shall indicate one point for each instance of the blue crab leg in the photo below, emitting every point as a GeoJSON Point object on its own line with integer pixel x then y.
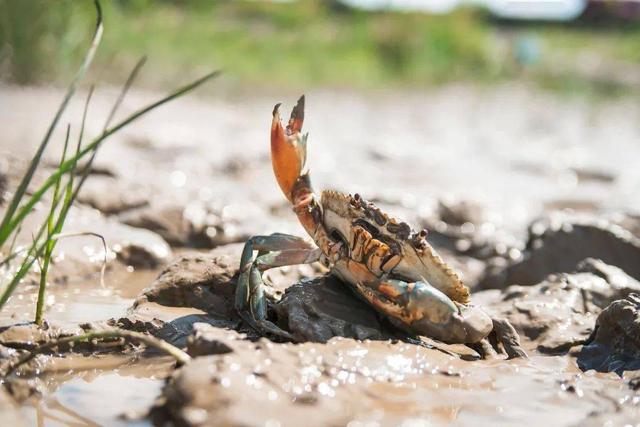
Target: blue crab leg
{"type": "Point", "coordinates": [276, 250]}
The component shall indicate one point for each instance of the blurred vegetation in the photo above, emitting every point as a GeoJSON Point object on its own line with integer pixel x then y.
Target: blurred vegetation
{"type": "Point", "coordinates": [313, 42]}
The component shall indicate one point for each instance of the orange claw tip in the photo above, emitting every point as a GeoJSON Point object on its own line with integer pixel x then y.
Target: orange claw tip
{"type": "Point", "coordinates": [297, 117]}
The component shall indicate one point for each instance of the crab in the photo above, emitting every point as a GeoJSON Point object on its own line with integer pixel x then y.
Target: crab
{"type": "Point", "coordinates": [389, 265]}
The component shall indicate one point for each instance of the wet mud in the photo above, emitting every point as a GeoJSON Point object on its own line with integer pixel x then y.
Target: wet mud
{"type": "Point", "coordinates": [527, 201]}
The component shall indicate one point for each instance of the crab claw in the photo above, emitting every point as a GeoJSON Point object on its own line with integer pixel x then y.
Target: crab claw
{"type": "Point", "coordinates": [440, 318]}
{"type": "Point", "coordinates": [288, 148]}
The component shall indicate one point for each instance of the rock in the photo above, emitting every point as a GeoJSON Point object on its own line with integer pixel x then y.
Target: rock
{"type": "Point", "coordinates": [323, 308]}
{"type": "Point", "coordinates": [109, 196]}
{"type": "Point", "coordinates": [559, 312]}
{"type": "Point", "coordinates": [556, 244]}
{"type": "Point", "coordinates": [615, 342]}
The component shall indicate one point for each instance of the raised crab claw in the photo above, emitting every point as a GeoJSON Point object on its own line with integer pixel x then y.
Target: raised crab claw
{"type": "Point", "coordinates": [388, 264]}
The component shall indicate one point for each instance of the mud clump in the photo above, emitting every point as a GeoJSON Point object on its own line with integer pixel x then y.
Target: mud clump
{"type": "Point", "coordinates": [557, 243]}
{"type": "Point", "coordinates": [325, 307]}
{"type": "Point", "coordinates": [195, 225]}
{"type": "Point", "coordinates": [614, 345]}
{"type": "Point", "coordinates": [109, 196]}
{"type": "Point", "coordinates": [201, 281]}
{"type": "Point", "coordinates": [559, 312]}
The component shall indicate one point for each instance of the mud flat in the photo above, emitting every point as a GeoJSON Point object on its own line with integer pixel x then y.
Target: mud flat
{"type": "Point", "coordinates": [523, 194]}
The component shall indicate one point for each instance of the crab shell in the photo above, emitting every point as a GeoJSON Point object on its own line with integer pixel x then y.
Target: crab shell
{"type": "Point", "coordinates": [417, 259]}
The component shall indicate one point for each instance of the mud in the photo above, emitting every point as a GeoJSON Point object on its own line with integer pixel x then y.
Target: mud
{"type": "Point", "coordinates": [516, 188]}
{"type": "Point", "coordinates": [346, 381]}
{"type": "Point", "coordinates": [558, 313]}
{"type": "Point", "coordinates": [557, 243]}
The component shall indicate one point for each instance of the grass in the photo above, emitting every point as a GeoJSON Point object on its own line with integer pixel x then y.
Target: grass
{"type": "Point", "coordinates": [321, 43]}
{"type": "Point", "coordinates": [61, 186]}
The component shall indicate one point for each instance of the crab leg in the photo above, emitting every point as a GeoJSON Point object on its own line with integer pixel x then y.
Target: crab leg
{"type": "Point", "coordinates": [276, 250]}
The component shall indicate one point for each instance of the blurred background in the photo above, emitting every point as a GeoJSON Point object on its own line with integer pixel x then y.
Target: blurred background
{"type": "Point", "coordinates": [524, 107]}
{"type": "Point", "coordinates": [570, 46]}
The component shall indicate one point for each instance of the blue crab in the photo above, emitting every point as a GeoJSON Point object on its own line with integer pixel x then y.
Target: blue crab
{"type": "Point", "coordinates": [388, 264]}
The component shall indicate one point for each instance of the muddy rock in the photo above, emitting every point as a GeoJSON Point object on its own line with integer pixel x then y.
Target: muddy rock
{"type": "Point", "coordinates": [557, 243]}
{"type": "Point", "coordinates": [323, 308]}
{"type": "Point", "coordinates": [202, 281]}
{"type": "Point", "coordinates": [109, 196]}
{"type": "Point", "coordinates": [559, 312]}
{"type": "Point", "coordinates": [195, 225]}
{"type": "Point", "coordinates": [207, 281]}
{"type": "Point", "coordinates": [615, 342]}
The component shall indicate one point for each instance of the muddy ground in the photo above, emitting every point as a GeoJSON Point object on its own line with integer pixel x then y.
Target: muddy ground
{"type": "Point", "coordinates": [534, 199]}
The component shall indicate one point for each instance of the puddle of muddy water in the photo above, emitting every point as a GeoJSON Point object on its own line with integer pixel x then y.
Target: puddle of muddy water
{"type": "Point", "coordinates": [69, 304]}
{"type": "Point", "coordinates": [99, 391]}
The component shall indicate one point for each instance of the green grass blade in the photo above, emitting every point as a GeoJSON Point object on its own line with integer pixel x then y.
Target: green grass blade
{"type": "Point", "coordinates": [35, 251]}
{"type": "Point", "coordinates": [50, 243]}
{"type": "Point", "coordinates": [8, 225]}
{"type": "Point", "coordinates": [125, 89]}
{"type": "Point", "coordinates": [66, 166]}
